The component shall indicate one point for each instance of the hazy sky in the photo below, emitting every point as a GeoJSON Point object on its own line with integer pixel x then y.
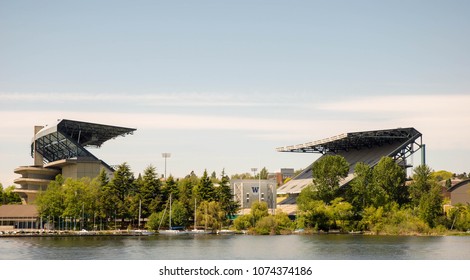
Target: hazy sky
{"type": "Point", "coordinates": [221, 84]}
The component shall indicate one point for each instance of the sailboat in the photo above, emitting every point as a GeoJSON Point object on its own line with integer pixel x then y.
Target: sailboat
{"type": "Point", "coordinates": [139, 231]}
{"type": "Point", "coordinates": [195, 230]}
{"type": "Point", "coordinates": [170, 229]}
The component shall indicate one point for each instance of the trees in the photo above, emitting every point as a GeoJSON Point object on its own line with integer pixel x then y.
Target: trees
{"type": "Point", "coordinates": [205, 189]}
{"type": "Point", "coordinates": [150, 191]}
{"type": "Point", "coordinates": [430, 206]}
{"type": "Point", "coordinates": [210, 215]}
{"type": "Point", "coordinates": [365, 191]}
{"type": "Point", "coordinates": [225, 197]}
{"type": "Point", "coordinates": [51, 202]}
{"type": "Point", "coordinates": [122, 185]}
{"type": "Point", "coordinates": [362, 195]}
{"type": "Point", "coordinates": [425, 194]}
{"type": "Point", "coordinates": [263, 174]}
{"type": "Point", "coordinates": [7, 196]}
{"type": "Point", "coordinates": [390, 177]}
{"type": "Point", "coordinates": [327, 173]}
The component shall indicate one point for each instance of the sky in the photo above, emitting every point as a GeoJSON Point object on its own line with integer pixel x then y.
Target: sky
{"type": "Point", "coordinates": [221, 84]}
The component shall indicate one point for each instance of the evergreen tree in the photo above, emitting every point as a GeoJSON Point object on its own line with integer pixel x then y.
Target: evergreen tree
{"type": "Point", "coordinates": [171, 187]}
{"type": "Point", "coordinates": [423, 180]}
{"type": "Point", "coordinates": [225, 196]}
{"type": "Point", "coordinates": [103, 177]}
{"type": "Point", "coordinates": [122, 186]}
{"type": "Point", "coordinates": [150, 192]}
{"type": "Point", "coordinates": [205, 188]}
{"type": "Point", "coordinates": [263, 173]}
{"type": "Point", "coordinates": [430, 206]}
{"type": "Point", "coordinates": [185, 190]}
{"type": "Point", "coordinates": [425, 193]}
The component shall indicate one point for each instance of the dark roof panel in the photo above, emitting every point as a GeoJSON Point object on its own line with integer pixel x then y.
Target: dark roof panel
{"type": "Point", "coordinates": [355, 141]}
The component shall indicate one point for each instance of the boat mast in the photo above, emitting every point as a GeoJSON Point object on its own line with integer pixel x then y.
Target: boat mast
{"type": "Point", "coordinates": [140, 212]}
{"type": "Point", "coordinates": [170, 212]}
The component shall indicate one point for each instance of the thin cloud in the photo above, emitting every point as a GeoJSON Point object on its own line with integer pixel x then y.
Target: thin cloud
{"type": "Point", "coordinates": [162, 99]}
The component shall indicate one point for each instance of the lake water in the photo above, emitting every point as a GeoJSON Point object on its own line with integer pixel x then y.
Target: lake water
{"type": "Point", "coordinates": [236, 247]}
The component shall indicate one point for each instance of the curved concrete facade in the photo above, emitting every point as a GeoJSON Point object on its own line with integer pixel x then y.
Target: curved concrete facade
{"type": "Point", "coordinates": [61, 149]}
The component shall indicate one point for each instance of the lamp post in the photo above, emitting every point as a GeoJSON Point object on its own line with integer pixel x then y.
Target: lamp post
{"type": "Point", "coordinates": [254, 169]}
{"type": "Point", "coordinates": [165, 156]}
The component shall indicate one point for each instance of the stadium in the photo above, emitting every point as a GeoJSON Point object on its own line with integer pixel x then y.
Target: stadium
{"type": "Point", "coordinates": [61, 149]}
{"type": "Point", "coordinates": [367, 147]}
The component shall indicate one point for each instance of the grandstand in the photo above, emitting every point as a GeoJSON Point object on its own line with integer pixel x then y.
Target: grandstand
{"type": "Point", "coordinates": [367, 147]}
{"type": "Point", "coordinates": [62, 149]}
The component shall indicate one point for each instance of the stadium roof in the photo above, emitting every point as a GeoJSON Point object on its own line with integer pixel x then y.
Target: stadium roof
{"type": "Point", "coordinates": [355, 141]}
{"type": "Point", "coordinates": [68, 139]}
{"type": "Point", "coordinates": [367, 147]}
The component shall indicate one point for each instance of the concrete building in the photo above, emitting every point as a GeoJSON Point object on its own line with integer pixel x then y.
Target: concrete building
{"type": "Point", "coordinates": [365, 146]}
{"type": "Point", "coordinates": [460, 192]}
{"type": "Point", "coordinates": [246, 192]}
{"type": "Point", "coordinates": [18, 217]}
{"type": "Point", "coordinates": [61, 149]}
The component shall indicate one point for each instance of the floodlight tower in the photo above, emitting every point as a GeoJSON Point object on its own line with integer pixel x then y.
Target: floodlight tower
{"type": "Point", "coordinates": [165, 156]}
{"type": "Point", "coordinates": [254, 169]}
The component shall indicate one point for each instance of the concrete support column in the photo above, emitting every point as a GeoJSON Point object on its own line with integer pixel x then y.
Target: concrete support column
{"type": "Point", "coordinates": [38, 158]}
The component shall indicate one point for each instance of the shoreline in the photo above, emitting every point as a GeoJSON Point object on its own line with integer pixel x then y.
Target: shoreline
{"type": "Point", "coordinates": [151, 233]}
{"type": "Point", "coordinates": [74, 233]}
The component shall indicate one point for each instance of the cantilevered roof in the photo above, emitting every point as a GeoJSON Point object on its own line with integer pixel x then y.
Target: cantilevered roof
{"type": "Point", "coordinates": [68, 139]}
{"type": "Point", "coordinates": [367, 147]}
{"type": "Point", "coordinates": [85, 133]}
{"type": "Point", "coordinates": [355, 141]}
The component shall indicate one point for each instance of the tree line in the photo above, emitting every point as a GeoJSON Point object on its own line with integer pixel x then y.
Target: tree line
{"type": "Point", "coordinates": [103, 203]}
{"type": "Point", "coordinates": [380, 200]}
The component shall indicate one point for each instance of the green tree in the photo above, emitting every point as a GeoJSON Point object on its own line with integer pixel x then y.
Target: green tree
{"type": "Point", "coordinates": [107, 200]}
{"type": "Point", "coordinates": [341, 213]}
{"type": "Point", "coordinates": [390, 177]}
{"type": "Point", "coordinates": [283, 222]}
{"type": "Point", "coordinates": [266, 225]}
{"type": "Point", "coordinates": [123, 185]}
{"type": "Point", "coordinates": [423, 181]}
{"type": "Point", "coordinates": [430, 206]}
{"type": "Point", "coordinates": [258, 211]}
{"type": "Point", "coordinates": [103, 177]}
{"type": "Point", "coordinates": [313, 214]}
{"type": "Point", "coordinates": [264, 173]}
{"type": "Point", "coordinates": [242, 176]}
{"type": "Point", "coordinates": [210, 215]}
{"type": "Point", "coordinates": [360, 186]}
{"type": "Point", "coordinates": [225, 196]}
{"type": "Point", "coordinates": [7, 196]}
{"type": "Point", "coordinates": [243, 222]}
{"type": "Point", "coordinates": [179, 214]}
{"type": "Point", "coordinates": [81, 200]}
{"type": "Point", "coordinates": [364, 192]}
{"type": "Point", "coordinates": [373, 219]}
{"type": "Point", "coordinates": [171, 187]}
{"type": "Point", "coordinates": [442, 175]}
{"type": "Point", "coordinates": [205, 189]}
{"type": "Point", "coordinates": [154, 221]}
{"type": "Point", "coordinates": [150, 192]}
{"type": "Point", "coordinates": [328, 171]}
{"type": "Point", "coordinates": [50, 202]}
